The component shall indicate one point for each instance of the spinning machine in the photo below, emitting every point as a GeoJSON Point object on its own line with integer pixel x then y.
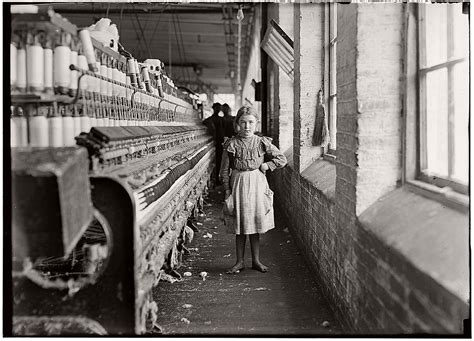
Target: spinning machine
{"type": "Point", "coordinates": [110, 163]}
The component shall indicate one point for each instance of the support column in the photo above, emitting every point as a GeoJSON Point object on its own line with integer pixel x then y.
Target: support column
{"type": "Point", "coordinates": [309, 70]}
{"type": "Point", "coordinates": [379, 96]}
{"type": "Point", "coordinates": [285, 100]}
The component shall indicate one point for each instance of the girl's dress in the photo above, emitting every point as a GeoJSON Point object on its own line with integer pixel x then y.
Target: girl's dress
{"type": "Point", "coordinates": [253, 198]}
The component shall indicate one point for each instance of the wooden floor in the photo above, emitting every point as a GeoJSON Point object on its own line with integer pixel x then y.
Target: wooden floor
{"type": "Point", "coordinates": [284, 301]}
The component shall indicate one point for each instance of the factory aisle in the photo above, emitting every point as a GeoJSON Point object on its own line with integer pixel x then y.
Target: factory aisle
{"type": "Point", "coordinates": [284, 301]}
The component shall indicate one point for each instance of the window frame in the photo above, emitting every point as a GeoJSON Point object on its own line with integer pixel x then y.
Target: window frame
{"type": "Point", "coordinates": [422, 173]}
{"type": "Point", "coordinates": [330, 71]}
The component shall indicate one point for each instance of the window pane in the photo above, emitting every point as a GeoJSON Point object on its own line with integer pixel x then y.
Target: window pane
{"type": "Point", "coordinates": [437, 121]}
{"type": "Point", "coordinates": [461, 120]}
{"type": "Point", "coordinates": [436, 34]}
{"type": "Point", "coordinates": [332, 21]}
{"type": "Point", "coordinates": [332, 122]}
{"type": "Point", "coordinates": [461, 32]}
{"type": "Point", "coordinates": [332, 71]}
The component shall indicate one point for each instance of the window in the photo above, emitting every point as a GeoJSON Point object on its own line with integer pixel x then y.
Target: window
{"type": "Point", "coordinates": [330, 90]}
{"type": "Point", "coordinates": [443, 72]}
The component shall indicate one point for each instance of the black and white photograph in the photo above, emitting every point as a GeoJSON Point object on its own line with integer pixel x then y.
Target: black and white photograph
{"type": "Point", "coordinates": [277, 169]}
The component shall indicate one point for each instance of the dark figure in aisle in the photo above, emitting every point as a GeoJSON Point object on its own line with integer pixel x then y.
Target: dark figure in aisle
{"type": "Point", "coordinates": [243, 175]}
{"type": "Point", "coordinates": [228, 121]}
{"type": "Point", "coordinates": [216, 126]}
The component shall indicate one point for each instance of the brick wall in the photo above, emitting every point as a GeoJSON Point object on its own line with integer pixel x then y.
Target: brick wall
{"type": "Point", "coordinates": [379, 97]}
{"type": "Point", "coordinates": [373, 288]}
{"type": "Point", "coordinates": [396, 297]}
{"type": "Point", "coordinates": [308, 21]}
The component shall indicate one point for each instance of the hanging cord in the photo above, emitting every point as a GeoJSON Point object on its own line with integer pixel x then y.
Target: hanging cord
{"type": "Point", "coordinates": [169, 49]}
{"type": "Point", "coordinates": [181, 49]}
{"type": "Point", "coordinates": [120, 21]}
{"type": "Point", "coordinates": [240, 17]}
{"type": "Point", "coordinates": [157, 23]}
{"type": "Point", "coordinates": [178, 46]}
{"type": "Point", "coordinates": [140, 42]}
{"type": "Point", "coordinates": [182, 44]}
{"type": "Point", "coordinates": [230, 44]}
{"type": "Point", "coordinates": [143, 35]}
{"type": "Point", "coordinates": [150, 12]}
{"type": "Point", "coordinates": [147, 46]}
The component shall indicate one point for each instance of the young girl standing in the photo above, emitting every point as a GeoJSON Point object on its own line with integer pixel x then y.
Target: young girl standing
{"type": "Point", "coordinates": [243, 175]}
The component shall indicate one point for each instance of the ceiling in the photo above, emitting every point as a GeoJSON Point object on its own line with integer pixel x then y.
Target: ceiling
{"type": "Point", "coordinates": [198, 42]}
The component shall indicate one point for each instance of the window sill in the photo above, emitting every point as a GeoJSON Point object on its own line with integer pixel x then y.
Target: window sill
{"type": "Point", "coordinates": [445, 196]}
{"type": "Point", "coordinates": [433, 237]}
{"type": "Point", "coordinates": [321, 174]}
{"type": "Point", "coordinates": [329, 157]}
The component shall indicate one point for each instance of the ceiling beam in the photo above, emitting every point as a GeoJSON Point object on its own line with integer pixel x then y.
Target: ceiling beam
{"type": "Point", "coordinates": [135, 11]}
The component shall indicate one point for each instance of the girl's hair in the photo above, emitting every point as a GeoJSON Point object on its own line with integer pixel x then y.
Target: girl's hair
{"type": "Point", "coordinates": [245, 110]}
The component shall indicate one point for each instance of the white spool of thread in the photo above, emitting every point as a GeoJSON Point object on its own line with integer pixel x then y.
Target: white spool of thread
{"type": "Point", "coordinates": [85, 124]}
{"type": "Point", "coordinates": [88, 49]}
{"type": "Point", "coordinates": [103, 84]}
{"type": "Point", "coordinates": [68, 131]}
{"type": "Point", "coordinates": [160, 86]}
{"type": "Point", "coordinates": [18, 132]}
{"type": "Point", "coordinates": [129, 91]}
{"type": "Point", "coordinates": [99, 122]}
{"type": "Point", "coordinates": [38, 129]}
{"type": "Point", "coordinates": [48, 69]}
{"type": "Point", "coordinates": [55, 127]}
{"type": "Point", "coordinates": [55, 131]}
{"type": "Point", "coordinates": [106, 119]}
{"type": "Point", "coordinates": [97, 81]}
{"type": "Point", "coordinates": [137, 99]}
{"type": "Point", "coordinates": [132, 73]}
{"type": "Point", "coordinates": [35, 65]}
{"type": "Point", "coordinates": [110, 85]}
{"type": "Point", "coordinates": [74, 75]}
{"type": "Point", "coordinates": [116, 76]}
{"type": "Point", "coordinates": [21, 68]}
{"type": "Point", "coordinates": [140, 83]}
{"type": "Point", "coordinates": [121, 121]}
{"type": "Point", "coordinates": [123, 92]}
{"type": "Point", "coordinates": [18, 129]}
{"type": "Point", "coordinates": [82, 63]}
{"type": "Point", "coordinates": [13, 66]}
{"type": "Point", "coordinates": [61, 72]}
{"type": "Point", "coordinates": [111, 119]}
{"type": "Point", "coordinates": [93, 118]}
{"type": "Point", "coordinates": [146, 79]}
{"type": "Point", "coordinates": [77, 124]}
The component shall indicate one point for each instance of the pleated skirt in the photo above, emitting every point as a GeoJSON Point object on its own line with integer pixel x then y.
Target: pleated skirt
{"type": "Point", "coordinates": [253, 203]}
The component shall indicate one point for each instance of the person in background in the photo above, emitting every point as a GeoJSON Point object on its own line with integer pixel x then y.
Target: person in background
{"type": "Point", "coordinates": [243, 176]}
{"type": "Point", "coordinates": [228, 121]}
{"type": "Point", "coordinates": [216, 125]}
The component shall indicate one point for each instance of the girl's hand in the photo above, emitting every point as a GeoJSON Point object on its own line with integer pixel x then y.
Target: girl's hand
{"type": "Point", "coordinates": [264, 167]}
{"type": "Point", "coordinates": [227, 193]}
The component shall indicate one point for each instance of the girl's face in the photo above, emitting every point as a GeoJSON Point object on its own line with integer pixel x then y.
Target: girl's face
{"type": "Point", "coordinates": [247, 125]}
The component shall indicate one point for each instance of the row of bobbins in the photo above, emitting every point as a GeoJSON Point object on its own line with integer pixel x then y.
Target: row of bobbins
{"type": "Point", "coordinates": [38, 66]}
{"type": "Point", "coordinates": [39, 63]}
